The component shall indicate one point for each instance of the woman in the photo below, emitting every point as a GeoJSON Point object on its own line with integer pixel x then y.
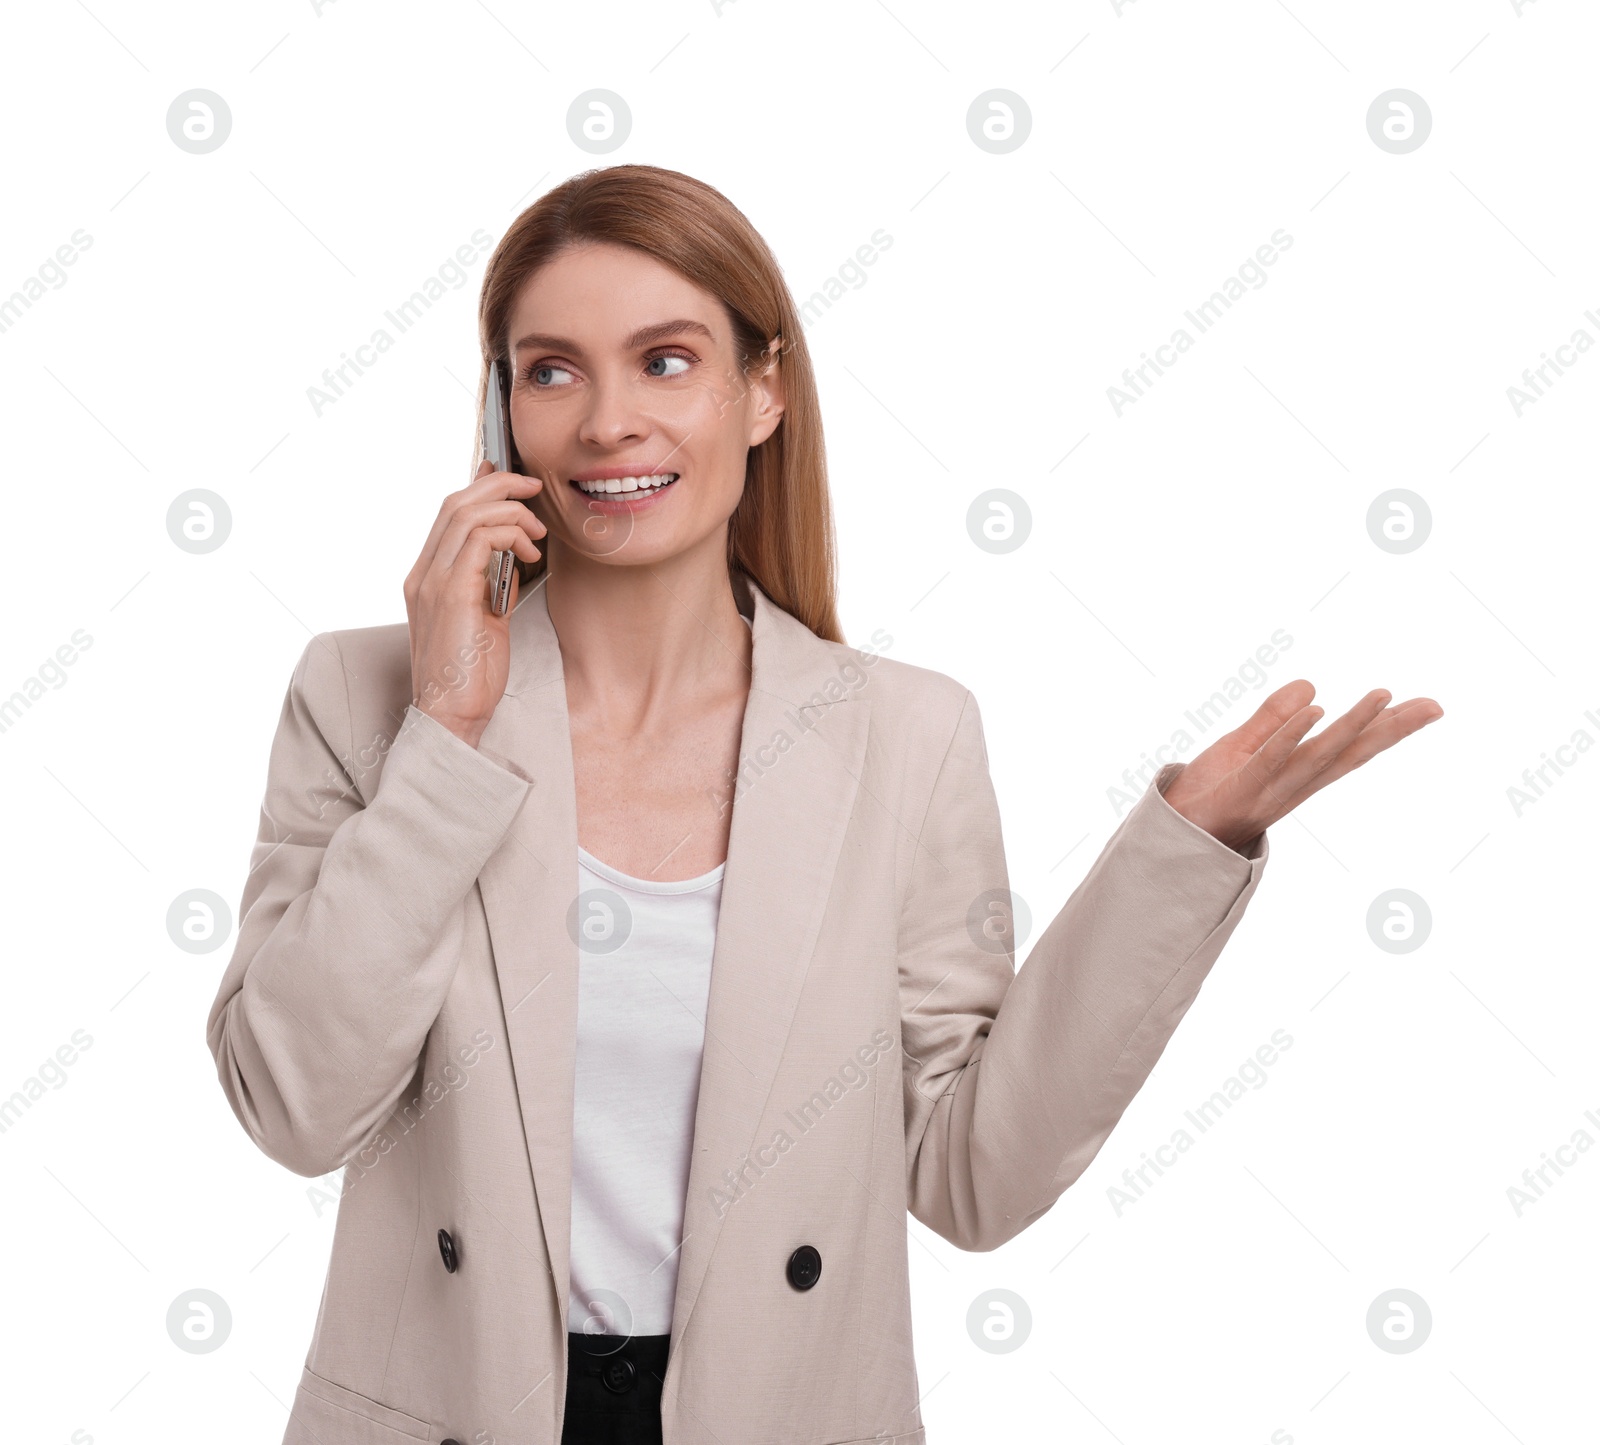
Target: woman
{"type": "Point", "coordinates": [474, 963]}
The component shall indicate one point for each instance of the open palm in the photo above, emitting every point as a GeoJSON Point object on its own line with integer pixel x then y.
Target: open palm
{"type": "Point", "coordinates": [1250, 778]}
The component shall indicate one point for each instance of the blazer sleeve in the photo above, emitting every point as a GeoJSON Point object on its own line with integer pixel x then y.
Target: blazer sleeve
{"type": "Point", "coordinates": [351, 920]}
{"type": "Point", "coordinates": [1014, 1079]}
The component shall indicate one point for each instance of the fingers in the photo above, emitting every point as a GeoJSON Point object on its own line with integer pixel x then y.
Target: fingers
{"type": "Point", "coordinates": [1432, 709]}
{"type": "Point", "coordinates": [1284, 764]}
{"type": "Point", "coordinates": [1322, 751]}
{"type": "Point", "coordinates": [1384, 728]}
{"type": "Point", "coordinates": [488, 485]}
{"type": "Point", "coordinates": [467, 571]}
{"type": "Point", "coordinates": [1390, 727]}
{"type": "Point", "coordinates": [473, 515]}
{"type": "Point", "coordinates": [1266, 764]}
{"type": "Point", "coordinates": [1276, 709]}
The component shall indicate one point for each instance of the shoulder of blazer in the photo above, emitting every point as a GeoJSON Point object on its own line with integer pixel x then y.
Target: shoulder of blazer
{"type": "Point", "coordinates": [912, 707]}
{"type": "Point", "coordinates": [915, 704]}
{"type": "Point", "coordinates": [355, 684]}
{"type": "Point", "coordinates": [376, 664]}
{"type": "Point", "coordinates": [905, 686]}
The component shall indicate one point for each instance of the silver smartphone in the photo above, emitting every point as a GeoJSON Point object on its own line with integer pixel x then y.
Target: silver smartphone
{"type": "Point", "coordinates": [497, 448]}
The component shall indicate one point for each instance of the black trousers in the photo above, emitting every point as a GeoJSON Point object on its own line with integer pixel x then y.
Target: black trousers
{"type": "Point", "coordinates": [614, 1389]}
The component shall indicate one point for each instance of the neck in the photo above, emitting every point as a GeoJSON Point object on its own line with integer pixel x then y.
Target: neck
{"type": "Point", "coordinates": [642, 642]}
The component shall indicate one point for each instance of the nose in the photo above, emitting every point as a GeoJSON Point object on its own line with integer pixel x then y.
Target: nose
{"type": "Point", "coordinates": [613, 417]}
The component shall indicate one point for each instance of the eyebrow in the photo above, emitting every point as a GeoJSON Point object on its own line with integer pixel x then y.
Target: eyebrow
{"type": "Point", "coordinates": [656, 331]}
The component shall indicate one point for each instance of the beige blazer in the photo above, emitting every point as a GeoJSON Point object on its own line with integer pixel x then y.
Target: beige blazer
{"type": "Point", "coordinates": [402, 1001]}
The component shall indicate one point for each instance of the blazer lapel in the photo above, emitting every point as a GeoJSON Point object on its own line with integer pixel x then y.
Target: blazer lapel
{"type": "Point", "coordinates": [527, 886]}
{"type": "Point", "coordinates": [801, 749]}
{"type": "Point", "coordinates": [800, 756]}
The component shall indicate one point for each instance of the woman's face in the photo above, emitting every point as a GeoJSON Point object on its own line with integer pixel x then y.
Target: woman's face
{"type": "Point", "coordinates": [622, 368]}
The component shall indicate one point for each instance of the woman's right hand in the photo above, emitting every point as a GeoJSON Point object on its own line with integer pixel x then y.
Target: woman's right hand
{"type": "Point", "coordinates": [460, 651]}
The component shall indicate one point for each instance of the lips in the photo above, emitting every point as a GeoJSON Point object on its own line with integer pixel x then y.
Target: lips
{"type": "Point", "coordinates": [613, 486]}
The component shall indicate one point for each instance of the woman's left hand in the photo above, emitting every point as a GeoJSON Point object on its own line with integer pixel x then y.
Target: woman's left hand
{"type": "Point", "coordinates": [1249, 778]}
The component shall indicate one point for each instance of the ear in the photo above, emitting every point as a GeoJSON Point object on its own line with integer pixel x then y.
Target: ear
{"type": "Point", "coordinates": [766, 396]}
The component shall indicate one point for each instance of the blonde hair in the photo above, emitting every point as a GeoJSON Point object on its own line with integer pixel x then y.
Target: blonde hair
{"type": "Point", "coordinates": [781, 533]}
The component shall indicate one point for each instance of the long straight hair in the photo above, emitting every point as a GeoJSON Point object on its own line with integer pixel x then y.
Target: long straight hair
{"type": "Point", "coordinates": [781, 532]}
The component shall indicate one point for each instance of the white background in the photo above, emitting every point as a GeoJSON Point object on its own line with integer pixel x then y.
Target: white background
{"type": "Point", "coordinates": [1167, 143]}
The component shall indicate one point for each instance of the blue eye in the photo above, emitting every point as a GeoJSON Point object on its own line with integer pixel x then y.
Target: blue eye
{"type": "Point", "coordinates": [540, 376]}
{"type": "Point", "coordinates": [655, 359]}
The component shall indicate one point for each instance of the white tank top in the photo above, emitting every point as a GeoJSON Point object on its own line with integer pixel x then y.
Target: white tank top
{"type": "Point", "coordinates": [644, 974]}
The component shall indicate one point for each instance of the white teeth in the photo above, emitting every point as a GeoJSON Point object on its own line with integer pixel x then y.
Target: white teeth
{"type": "Point", "coordinates": [628, 484]}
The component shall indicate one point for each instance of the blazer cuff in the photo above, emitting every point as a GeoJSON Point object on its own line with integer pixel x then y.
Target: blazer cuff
{"type": "Point", "coordinates": [468, 789]}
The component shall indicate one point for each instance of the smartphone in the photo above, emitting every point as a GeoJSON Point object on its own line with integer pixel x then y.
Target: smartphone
{"type": "Point", "coordinates": [497, 448]}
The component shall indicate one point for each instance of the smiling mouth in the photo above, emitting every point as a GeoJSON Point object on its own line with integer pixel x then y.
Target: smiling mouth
{"type": "Point", "coordinates": [612, 486]}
